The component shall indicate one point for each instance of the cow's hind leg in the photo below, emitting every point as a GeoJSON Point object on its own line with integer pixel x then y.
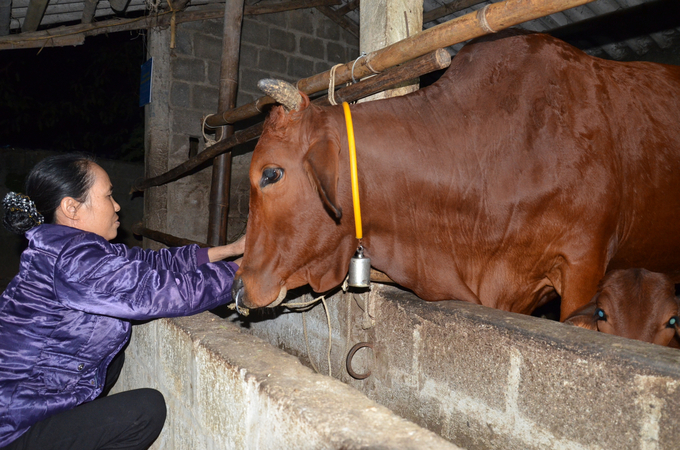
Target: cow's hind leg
{"type": "Point", "coordinates": [579, 285]}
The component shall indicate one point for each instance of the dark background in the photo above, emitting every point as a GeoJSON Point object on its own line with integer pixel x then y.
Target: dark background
{"type": "Point", "coordinates": [83, 98]}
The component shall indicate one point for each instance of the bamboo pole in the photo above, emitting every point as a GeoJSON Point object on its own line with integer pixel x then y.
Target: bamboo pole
{"type": "Point", "coordinates": [492, 18]}
{"type": "Point", "coordinates": [436, 60]}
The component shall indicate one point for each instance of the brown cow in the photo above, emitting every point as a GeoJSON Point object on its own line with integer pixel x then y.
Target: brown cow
{"type": "Point", "coordinates": [528, 169]}
{"type": "Point", "coordinates": [634, 303]}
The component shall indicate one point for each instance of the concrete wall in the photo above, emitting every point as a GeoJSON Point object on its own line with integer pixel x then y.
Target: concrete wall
{"type": "Point", "coordinates": [487, 379]}
{"type": "Point", "coordinates": [290, 46]}
{"type": "Point", "coordinates": [478, 377]}
{"type": "Point", "coordinates": [227, 389]}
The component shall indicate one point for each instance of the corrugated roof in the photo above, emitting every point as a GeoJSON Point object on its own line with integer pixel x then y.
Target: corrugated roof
{"type": "Point", "coordinates": [617, 29]}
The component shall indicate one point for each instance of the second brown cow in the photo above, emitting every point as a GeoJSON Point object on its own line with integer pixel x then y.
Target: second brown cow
{"type": "Point", "coordinates": [636, 304]}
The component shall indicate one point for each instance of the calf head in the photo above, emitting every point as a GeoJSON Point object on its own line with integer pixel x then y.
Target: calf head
{"type": "Point", "coordinates": [295, 235]}
{"type": "Point", "coordinates": [633, 303]}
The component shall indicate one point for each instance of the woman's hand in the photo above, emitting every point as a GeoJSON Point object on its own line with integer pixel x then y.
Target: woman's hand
{"type": "Point", "coordinates": [227, 251]}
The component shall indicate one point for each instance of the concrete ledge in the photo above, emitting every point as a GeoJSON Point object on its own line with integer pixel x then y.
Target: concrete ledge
{"type": "Point", "coordinates": [487, 379]}
{"type": "Point", "coordinates": [228, 389]}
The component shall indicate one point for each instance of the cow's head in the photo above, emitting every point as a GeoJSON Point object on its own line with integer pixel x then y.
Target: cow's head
{"type": "Point", "coordinates": [296, 233]}
{"type": "Point", "coordinates": [633, 303]}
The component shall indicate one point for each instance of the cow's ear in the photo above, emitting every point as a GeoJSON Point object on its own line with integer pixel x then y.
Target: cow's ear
{"type": "Point", "coordinates": [584, 317]}
{"type": "Point", "coordinates": [321, 164]}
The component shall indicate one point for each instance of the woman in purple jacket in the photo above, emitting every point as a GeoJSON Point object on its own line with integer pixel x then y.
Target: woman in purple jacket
{"type": "Point", "coordinates": [66, 316]}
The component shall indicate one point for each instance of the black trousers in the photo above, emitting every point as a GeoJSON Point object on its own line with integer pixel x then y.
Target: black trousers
{"type": "Point", "coordinates": [128, 420]}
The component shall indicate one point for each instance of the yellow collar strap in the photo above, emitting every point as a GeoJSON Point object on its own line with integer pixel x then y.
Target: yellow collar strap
{"type": "Point", "coordinates": [353, 170]}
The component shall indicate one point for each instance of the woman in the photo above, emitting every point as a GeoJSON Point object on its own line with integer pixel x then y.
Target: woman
{"type": "Point", "coordinates": [66, 316]}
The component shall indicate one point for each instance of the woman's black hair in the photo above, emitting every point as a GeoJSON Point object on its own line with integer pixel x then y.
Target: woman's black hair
{"type": "Point", "coordinates": [51, 180]}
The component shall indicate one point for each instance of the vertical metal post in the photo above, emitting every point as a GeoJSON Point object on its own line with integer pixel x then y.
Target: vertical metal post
{"type": "Point", "coordinates": [221, 175]}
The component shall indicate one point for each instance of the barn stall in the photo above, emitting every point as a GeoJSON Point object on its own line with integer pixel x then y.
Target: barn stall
{"type": "Point", "coordinates": [442, 375]}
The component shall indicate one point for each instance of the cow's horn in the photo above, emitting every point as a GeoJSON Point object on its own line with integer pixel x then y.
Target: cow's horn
{"type": "Point", "coordinates": [281, 91]}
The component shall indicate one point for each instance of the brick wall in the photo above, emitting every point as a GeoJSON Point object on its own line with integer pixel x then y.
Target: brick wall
{"type": "Point", "coordinates": [292, 45]}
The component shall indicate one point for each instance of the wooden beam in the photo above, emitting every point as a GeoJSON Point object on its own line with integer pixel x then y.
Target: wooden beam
{"type": "Point", "coordinates": [5, 16]}
{"type": "Point", "coordinates": [268, 7]}
{"type": "Point", "coordinates": [118, 5]}
{"type": "Point", "coordinates": [340, 19]}
{"type": "Point", "coordinates": [495, 17]}
{"type": "Point", "coordinates": [453, 7]}
{"type": "Point", "coordinates": [54, 35]}
{"type": "Point", "coordinates": [89, 8]}
{"type": "Point", "coordinates": [164, 238]}
{"type": "Point", "coordinates": [350, 6]}
{"type": "Point", "coordinates": [34, 14]}
{"type": "Point", "coordinates": [492, 18]}
{"type": "Point", "coordinates": [69, 40]}
{"type": "Point", "coordinates": [427, 63]}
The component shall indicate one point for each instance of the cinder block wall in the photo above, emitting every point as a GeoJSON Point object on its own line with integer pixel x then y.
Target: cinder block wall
{"type": "Point", "coordinates": [226, 389]}
{"type": "Point", "coordinates": [290, 46]}
{"type": "Point", "coordinates": [478, 377]}
{"type": "Point", "coordinates": [487, 379]}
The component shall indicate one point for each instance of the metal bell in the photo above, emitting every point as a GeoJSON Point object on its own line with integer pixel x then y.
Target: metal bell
{"type": "Point", "coordinates": [359, 269]}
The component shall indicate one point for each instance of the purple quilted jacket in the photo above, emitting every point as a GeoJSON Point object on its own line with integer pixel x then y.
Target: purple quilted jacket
{"type": "Point", "coordinates": [67, 314]}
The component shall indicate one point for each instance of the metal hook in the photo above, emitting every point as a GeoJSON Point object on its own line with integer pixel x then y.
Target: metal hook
{"type": "Point", "coordinates": [350, 355]}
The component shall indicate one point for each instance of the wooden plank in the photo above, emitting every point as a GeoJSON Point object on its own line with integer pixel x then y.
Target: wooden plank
{"type": "Point", "coordinates": [57, 41]}
{"type": "Point", "coordinates": [38, 38]}
{"type": "Point", "coordinates": [5, 16]}
{"type": "Point", "coordinates": [350, 6]}
{"type": "Point", "coordinates": [453, 7]}
{"type": "Point", "coordinates": [341, 20]}
{"type": "Point", "coordinates": [89, 8]}
{"type": "Point", "coordinates": [34, 14]}
{"type": "Point", "coordinates": [268, 7]}
{"type": "Point", "coordinates": [118, 5]}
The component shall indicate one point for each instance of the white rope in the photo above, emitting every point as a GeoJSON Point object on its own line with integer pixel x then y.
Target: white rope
{"type": "Point", "coordinates": [208, 142]}
{"type": "Point", "coordinates": [482, 19]}
{"type": "Point", "coordinates": [331, 85]}
{"type": "Point", "coordinates": [309, 353]}
{"type": "Point", "coordinates": [302, 305]}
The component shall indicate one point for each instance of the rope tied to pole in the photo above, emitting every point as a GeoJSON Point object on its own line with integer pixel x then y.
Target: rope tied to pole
{"type": "Point", "coordinates": [331, 85]}
{"type": "Point", "coordinates": [363, 55]}
{"type": "Point", "coordinates": [208, 142]}
{"type": "Point", "coordinates": [481, 14]}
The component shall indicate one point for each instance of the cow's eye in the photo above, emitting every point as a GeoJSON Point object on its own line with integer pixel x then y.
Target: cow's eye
{"type": "Point", "coordinates": [600, 314]}
{"type": "Point", "coordinates": [673, 322]}
{"type": "Point", "coordinates": [270, 175]}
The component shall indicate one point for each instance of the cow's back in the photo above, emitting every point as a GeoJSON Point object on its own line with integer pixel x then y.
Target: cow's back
{"type": "Point", "coordinates": [534, 156]}
{"type": "Point", "coordinates": [622, 119]}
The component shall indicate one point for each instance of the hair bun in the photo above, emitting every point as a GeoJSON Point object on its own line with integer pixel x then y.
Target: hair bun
{"type": "Point", "coordinates": [20, 213]}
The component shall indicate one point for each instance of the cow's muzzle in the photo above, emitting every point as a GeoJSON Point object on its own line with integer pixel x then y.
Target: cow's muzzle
{"type": "Point", "coordinates": [240, 296]}
{"type": "Point", "coordinates": [238, 292]}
